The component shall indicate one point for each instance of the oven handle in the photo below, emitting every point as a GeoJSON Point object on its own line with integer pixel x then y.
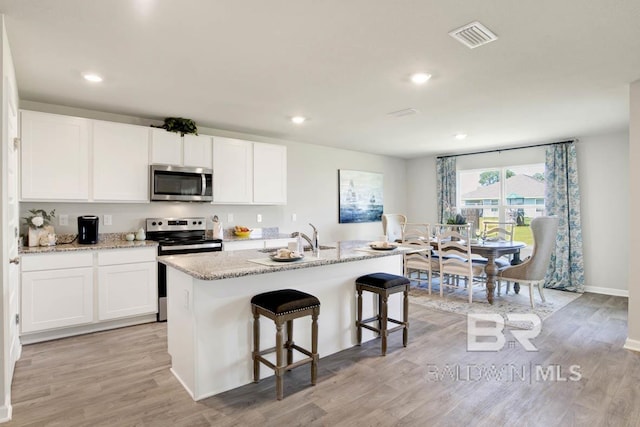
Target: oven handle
{"type": "Point", "coordinates": [204, 184]}
{"type": "Point", "coordinates": [172, 248]}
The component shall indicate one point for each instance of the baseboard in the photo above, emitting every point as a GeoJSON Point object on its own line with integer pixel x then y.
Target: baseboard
{"type": "Point", "coordinates": [633, 345]}
{"type": "Point", "coordinates": [5, 413]}
{"type": "Point", "coordinates": [607, 291]}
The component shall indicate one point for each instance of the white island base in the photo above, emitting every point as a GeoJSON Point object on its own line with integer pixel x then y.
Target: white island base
{"type": "Point", "coordinates": [210, 323]}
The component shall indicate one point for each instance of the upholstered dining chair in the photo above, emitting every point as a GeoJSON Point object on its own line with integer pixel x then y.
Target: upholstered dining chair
{"type": "Point", "coordinates": [419, 262]}
{"type": "Point", "coordinates": [454, 256]}
{"type": "Point", "coordinates": [392, 226]}
{"type": "Point", "coordinates": [533, 269]}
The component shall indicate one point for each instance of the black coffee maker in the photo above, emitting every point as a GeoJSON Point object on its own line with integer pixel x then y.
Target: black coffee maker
{"type": "Point", "coordinates": [88, 229]}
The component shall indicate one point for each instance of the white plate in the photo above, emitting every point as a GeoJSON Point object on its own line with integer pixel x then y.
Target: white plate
{"type": "Point", "coordinates": [286, 259]}
{"type": "Point", "coordinates": [380, 247]}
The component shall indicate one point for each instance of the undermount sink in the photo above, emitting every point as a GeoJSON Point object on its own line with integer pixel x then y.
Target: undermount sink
{"type": "Point", "coordinates": [306, 249]}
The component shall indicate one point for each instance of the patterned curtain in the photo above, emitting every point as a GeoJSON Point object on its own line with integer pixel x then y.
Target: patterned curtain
{"type": "Point", "coordinates": [446, 174]}
{"type": "Point", "coordinates": [562, 199]}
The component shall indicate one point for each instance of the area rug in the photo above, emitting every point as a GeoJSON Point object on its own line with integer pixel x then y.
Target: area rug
{"type": "Point", "coordinates": [455, 300]}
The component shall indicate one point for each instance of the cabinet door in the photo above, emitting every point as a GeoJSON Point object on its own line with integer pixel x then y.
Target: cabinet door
{"type": "Point", "coordinates": [269, 173]}
{"type": "Point", "coordinates": [197, 150]}
{"type": "Point", "coordinates": [166, 147]}
{"type": "Point", "coordinates": [232, 171]}
{"type": "Point", "coordinates": [54, 157]}
{"type": "Point", "coordinates": [127, 290]}
{"type": "Point", "coordinates": [120, 162]}
{"type": "Point", "coordinates": [56, 298]}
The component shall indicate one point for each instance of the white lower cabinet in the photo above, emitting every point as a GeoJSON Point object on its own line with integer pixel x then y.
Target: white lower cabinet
{"type": "Point", "coordinates": [126, 289]}
{"type": "Point", "coordinates": [56, 298]}
{"type": "Point", "coordinates": [57, 291]}
{"type": "Point", "coordinates": [66, 294]}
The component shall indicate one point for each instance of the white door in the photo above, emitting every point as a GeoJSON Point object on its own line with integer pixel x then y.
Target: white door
{"type": "Point", "coordinates": [166, 147]}
{"type": "Point", "coordinates": [269, 173]}
{"type": "Point", "coordinates": [13, 227]}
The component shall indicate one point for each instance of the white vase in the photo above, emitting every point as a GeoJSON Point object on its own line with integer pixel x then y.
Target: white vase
{"type": "Point", "coordinates": [34, 236]}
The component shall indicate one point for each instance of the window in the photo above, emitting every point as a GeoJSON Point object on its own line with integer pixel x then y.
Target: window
{"type": "Point", "coordinates": [513, 193]}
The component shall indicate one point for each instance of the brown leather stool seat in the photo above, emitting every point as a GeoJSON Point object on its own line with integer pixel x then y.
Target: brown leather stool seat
{"type": "Point", "coordinates": [283, 306]}
{"type": "Point", "coordinates": [383, 284]}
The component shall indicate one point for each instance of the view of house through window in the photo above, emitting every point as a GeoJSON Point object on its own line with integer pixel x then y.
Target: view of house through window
{"type": "Point", "coordinates": [514, 193]}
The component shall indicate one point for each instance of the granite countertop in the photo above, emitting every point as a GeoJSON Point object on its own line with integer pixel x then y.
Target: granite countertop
{"type": "Point", "coordinates": [224, 265]}
{"type": "Point", "coordinates": [105, 241]}
{"type": "Point", "coordinates": [256, 234]}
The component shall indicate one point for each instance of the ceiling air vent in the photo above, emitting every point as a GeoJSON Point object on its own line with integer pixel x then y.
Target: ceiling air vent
{"type": "Point", "coordinates": [401, 113]}
{"type": "Point", "coordinates": [473, 35]}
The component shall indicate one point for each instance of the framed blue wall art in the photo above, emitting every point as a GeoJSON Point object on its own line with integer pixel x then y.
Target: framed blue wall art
{"type": "Point", "coordinates": [361, 196]}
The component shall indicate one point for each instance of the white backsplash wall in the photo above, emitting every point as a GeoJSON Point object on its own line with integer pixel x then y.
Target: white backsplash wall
{"type": "Point", "coordinates": [312, 178]}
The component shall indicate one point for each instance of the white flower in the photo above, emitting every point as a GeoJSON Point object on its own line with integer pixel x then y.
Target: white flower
{"type": "Point", "coordinates": [37, 221]}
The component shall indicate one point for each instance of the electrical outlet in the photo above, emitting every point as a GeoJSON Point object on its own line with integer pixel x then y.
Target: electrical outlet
{"type": "Point", "coordinates": [230, 218]}
{"type": "Point", "coordinates": [108, 220]}
{"type": "Point", "coordinates": [294, 217]}
{"type": "Point", "coordinates": [259, 218]}
{"type": "Point", "coordinates": [63, 219]}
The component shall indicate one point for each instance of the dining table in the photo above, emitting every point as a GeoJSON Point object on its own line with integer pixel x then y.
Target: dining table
{"type": "Point", "coordinates": [492, 250]}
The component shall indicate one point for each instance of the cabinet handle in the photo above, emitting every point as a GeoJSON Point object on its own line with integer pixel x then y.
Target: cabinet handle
{"type": "Point", "coordinates": [15, 260]}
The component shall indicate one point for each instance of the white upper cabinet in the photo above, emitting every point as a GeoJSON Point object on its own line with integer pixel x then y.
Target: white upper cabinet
{"type": "Point", "coordinates": [54, 157]}
{"type": "Point", "coordinates": [232, 171]}
{"type": "Point", "coordinates": [269, 173]}
{"type": "Point", "coordinates": [166, 147]}
{"type": "Point", "coordinates": [246, 172]}
{"type": "Point", "coordinates": [120, 162]}
{"type": "Point", "coordinates": [197, 151]}
{"type": "Point", "coordinates": [169, 148]}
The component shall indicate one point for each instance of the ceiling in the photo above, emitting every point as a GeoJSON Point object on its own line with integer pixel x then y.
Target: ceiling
{"type": "Point", "coordinates": [559, 69]}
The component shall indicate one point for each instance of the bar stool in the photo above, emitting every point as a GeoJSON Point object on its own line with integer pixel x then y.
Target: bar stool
{"type": "Point", "coordinates": [284, 306]}
{"type": "Point", "coordinates": [383, 284]}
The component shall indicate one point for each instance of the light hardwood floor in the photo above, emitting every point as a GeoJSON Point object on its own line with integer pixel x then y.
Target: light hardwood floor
{"type": "Point", "coordinates": [121, 378]}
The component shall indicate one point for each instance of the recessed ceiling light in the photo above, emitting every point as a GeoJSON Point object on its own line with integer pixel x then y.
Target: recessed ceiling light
{"type": "Point", "coordinates": [460, 136]}
{"type": "Point", "coordinates": [420, 78]}
{"type": "Point", "coordinates": [298, 119]}
{"type": "Point", "coordinates": [93, 78]}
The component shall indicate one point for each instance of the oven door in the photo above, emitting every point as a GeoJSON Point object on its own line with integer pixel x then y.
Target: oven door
{"type": "Point", "coordinates": [181, 184]}
{"type": "Point", "coordinates": [177, 249]}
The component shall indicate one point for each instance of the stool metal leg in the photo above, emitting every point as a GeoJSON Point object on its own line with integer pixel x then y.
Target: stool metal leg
{"type": "Point", "coordinates": [256, 346]}
{"type": "Point", "coordinates": [279, 361]}
{"type": "Point", "coordinates": [314, 346]}
{"type": "Point", "coordinates": [359, 318]}
{"type": "Point", "coordinates": [383, 322]}
{"type": "Point", "coordinates": [405, 317]}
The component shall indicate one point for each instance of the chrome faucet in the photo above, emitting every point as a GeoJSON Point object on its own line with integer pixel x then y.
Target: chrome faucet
{"type": "Point", "coordinates": [315, 245]}
{"type": "Point", "coordinates": [313, 242]}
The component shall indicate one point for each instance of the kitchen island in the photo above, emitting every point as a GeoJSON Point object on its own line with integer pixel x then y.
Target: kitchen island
{"type": "Point", "coordinates": [209, 326]}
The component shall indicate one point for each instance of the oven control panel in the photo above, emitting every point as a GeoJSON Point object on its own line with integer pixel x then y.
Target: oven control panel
{"type": "Point", "coordinates": [176, 224]}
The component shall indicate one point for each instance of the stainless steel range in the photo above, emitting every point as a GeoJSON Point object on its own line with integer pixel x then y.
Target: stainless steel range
{"type": "Point", "coordinates": [176, 236]}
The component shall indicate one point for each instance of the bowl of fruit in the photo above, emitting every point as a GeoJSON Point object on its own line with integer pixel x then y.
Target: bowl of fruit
{"type": "Point", "coordinates": [241, 231]}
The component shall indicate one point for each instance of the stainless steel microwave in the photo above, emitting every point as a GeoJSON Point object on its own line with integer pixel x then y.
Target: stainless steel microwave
{"type": "Point", "coordinates": [185, 184]}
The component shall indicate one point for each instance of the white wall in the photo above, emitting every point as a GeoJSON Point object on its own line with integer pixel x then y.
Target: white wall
{"type": "Point", "coordinates": [312, 190]}
{"type": "Point", "coordinates": [603, 175]}
{"type": "Point", "coordinates": [603, 171]}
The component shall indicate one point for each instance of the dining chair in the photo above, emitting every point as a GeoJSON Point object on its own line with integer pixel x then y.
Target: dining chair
{"type": "Point", "coordinates": [494, 231]}
{"type": "Point", "coordinates": [392, 226]}
{"type": "Point", "coordinates": [454, 256]}
{"type": "Point", "coordinates": [419, 261]}
{"type": "Point", "coordinates": [532, 271]}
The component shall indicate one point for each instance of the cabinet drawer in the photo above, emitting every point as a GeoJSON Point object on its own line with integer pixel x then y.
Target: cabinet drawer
{"type": "Point", "coordinates": [126, 256]}
{"type": "Point", "coordinates": [56, 261]}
